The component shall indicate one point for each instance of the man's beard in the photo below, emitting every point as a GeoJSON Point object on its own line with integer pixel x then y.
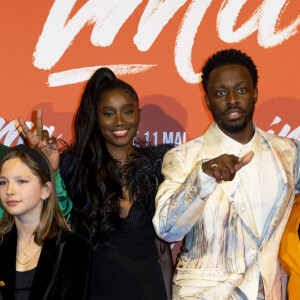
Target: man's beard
{"type": "Point", "coordinates": [234, 126]}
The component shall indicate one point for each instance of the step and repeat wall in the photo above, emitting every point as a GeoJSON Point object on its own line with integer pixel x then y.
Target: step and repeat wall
{"type": "Point", "coordinates": [50, 48]}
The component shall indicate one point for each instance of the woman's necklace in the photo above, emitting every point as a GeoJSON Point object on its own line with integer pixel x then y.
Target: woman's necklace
{"type": "Point", "coordinates": [27, 253]}
{"type": "Point", "coordinates": [25, 263]}
{"type": "Point", "coordinates": [24, 252]}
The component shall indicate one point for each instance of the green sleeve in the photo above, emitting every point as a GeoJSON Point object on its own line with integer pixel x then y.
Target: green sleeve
{"type": "Point", "coordinates": [1, 210]}
{"type": "Point", "coordinates": [64, 201]}
{"type": "Point", "coordinates": [3, 150]}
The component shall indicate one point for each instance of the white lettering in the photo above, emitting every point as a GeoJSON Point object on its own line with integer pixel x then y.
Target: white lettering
{"type": "Point", "coordinates": [226, 20]}
{"type": "Point", "coordinates": [9, 131]}
{"type": "Point", "coordinates": [167, 139]}
{"type": "Point", "coordinates": [184, 138]}
{"type": "Point", "coordinates": [270, 15]}
{"type": "Point", "coordinates": [294, 134]}
{"type": "Point", "coordinates": [12, 131]}
{"type": "Point", "coordinates": [58, 33]}
{"type": "Point", "coordinates": [276, 120]}
{"type": "Point", "coordinates": [264, 19]}
{"type": "Point", "coordinates": [185, 40]}
{"type": "Point", "coordinates": [177, 139]}
{"type": "Point", "coordinates": [155, 138]}
{"type": "Point", "coordinates": [83, 74]}
{"type": "Point", "coordinates": [285, 130]}
{"type": "Point", "coordinates": [156, 15]}
{"type": "Point", "coordinates": [109, 16]}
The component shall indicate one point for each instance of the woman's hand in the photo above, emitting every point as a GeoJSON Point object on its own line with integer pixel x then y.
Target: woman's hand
{"type": "Point", "coordinates": [42, 140]}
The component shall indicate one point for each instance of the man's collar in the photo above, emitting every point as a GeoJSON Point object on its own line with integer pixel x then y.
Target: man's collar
{"type": "Point", "coordinates": [234, 147]}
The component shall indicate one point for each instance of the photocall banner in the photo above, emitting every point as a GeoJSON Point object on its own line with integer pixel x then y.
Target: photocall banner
{"type": "Point", "coordinates": [50, 48]}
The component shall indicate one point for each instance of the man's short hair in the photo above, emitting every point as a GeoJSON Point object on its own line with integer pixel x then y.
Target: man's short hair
{"type": "Point", "coordinates": [228, 57]}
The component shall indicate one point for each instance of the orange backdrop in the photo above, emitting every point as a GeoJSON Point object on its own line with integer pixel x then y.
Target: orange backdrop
{"type": "Point", "coordinates": [50, 48]}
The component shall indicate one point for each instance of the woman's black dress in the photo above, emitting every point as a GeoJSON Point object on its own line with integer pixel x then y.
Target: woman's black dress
{"type": "Point", "coordinates": [126, 262]}
{"type": "Point", "coordinates": [127, 267]}
{"type": "Point", "coordinates": [23, 284]}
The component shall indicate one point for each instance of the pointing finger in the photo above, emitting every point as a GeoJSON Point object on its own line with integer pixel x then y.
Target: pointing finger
{"type": "Point", "coordinates": [243, 161]}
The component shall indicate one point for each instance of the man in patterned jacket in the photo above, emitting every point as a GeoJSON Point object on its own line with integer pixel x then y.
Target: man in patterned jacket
{"type": "Point", "coordinates": [229, 193]}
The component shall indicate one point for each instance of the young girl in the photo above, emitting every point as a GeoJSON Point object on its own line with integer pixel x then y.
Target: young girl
{"type": "Point", "coordinates": [40, 257]}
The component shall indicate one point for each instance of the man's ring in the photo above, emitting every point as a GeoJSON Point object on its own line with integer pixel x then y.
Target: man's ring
{"type": "Point", "coordinates": [214, 165]}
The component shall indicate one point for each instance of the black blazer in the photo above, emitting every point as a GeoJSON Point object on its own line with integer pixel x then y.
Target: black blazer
{"type": "Point", "coordinates": [63, 271]}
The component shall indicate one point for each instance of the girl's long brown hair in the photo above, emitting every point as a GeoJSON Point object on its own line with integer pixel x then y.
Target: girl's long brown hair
{"type": "Point", "coordinates": [52, 219]}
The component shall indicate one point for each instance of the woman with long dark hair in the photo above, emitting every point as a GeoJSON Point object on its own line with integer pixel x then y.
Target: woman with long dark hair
{"type": "Point", "coordinates": [112, 184]}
